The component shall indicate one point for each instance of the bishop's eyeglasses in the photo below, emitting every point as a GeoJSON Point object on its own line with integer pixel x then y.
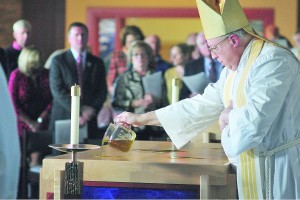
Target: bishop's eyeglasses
{"type": "Point", "coordinates": [215, 49]}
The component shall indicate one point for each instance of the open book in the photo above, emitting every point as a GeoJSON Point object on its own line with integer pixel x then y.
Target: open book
{"type": "Point", "coordinates": [196, 83]}
{"type": "Point", "coordinates": [153, 84]}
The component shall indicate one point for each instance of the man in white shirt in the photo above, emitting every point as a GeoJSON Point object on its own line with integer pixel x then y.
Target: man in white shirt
{"type": "Point", "coordinates": [77, 66]}
{"type": "Point", "coordinates": [256, 101]}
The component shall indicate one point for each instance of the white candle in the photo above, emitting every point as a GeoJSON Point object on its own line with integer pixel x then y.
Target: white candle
{"type": "Point", "coordinates": [175, 90]}
{"type": "Point", "coordinates": [75, 107]}
{"type": "Point", "coordinates": [175, 98]}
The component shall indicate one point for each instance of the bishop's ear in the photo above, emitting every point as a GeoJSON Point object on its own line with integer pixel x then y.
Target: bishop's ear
{"type": "Point", "coordinates": [234, 40]}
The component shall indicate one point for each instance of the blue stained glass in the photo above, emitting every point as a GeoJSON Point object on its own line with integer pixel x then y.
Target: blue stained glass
{"type": "Point", "coordinates": [92, 192]}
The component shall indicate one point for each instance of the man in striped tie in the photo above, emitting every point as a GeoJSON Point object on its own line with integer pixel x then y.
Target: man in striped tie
{"type": "Point", "coordinates": [78, 66]}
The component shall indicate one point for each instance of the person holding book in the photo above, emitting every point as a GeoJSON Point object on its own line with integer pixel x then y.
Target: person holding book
{"type": "Point", "coordinates": [130, 94]}
{"type": "Point", "coordinates": [205, 69]}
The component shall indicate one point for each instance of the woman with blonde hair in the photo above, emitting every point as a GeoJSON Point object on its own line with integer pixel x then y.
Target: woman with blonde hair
{"type": "Point", "coordinates": [130, 94]}
{"type": "Point", "coordinates": [30, 92]}
{"type": "Point", "coordinates": [117, 66]}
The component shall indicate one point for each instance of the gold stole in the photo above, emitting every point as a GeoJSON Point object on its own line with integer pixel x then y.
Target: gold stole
{"type": "Point", "coordinates": [247, 159]}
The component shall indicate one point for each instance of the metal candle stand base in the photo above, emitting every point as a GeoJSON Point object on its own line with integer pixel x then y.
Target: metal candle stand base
{"type": "Point", "coordinates": [73, 179]}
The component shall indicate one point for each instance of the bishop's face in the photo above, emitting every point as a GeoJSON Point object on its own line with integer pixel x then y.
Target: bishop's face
{"type": "Point", "coordinates": [221, 50]}
{"type": "Point", "coordinates": [78, 38]}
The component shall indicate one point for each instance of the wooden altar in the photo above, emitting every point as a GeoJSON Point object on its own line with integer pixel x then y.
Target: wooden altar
{"type": "Point", "coordinates": [199, 166]}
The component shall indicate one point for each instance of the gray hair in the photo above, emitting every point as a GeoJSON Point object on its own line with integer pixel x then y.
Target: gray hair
{"type": "Point", "coordinates": [22, 23]}
{"type": "Point", "coordinates": [241, 33]}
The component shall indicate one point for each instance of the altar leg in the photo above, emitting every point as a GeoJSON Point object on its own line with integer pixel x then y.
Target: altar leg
{"type": "Point", "coordinates": [59, 177]}
{"type": "Point", "coordinates": [215, 188]}
{"type": "Point", "coordinates": [205, 187]}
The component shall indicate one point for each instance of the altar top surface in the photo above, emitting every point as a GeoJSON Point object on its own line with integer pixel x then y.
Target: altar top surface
{"type": "Point", "coordinates": [147, 162]}
{"type": "Point", "coordinates": [156, 152]}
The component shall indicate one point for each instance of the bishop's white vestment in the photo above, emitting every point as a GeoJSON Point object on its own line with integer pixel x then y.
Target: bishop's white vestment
{"type": "Point", "coordinates": [269, 118]}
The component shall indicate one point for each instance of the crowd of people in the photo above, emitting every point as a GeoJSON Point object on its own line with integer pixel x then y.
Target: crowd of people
{"type": "Point", "coordinates": [40, 91]}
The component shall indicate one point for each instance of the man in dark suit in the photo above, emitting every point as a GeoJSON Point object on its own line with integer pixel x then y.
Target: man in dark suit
{"type": "Point", "coordinates": [77, 66]}
{"type": "Point", "coordinates": [212, 68]}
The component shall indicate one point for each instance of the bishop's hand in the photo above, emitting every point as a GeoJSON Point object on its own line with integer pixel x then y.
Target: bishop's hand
{"type": "Point", "coordinates": [224, 117]}
{"type": "Point", "coordinates": [127, 118]}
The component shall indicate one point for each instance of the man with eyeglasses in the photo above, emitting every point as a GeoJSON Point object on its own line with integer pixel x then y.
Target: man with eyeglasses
{"type": "Point", "coordinates": [205, 64]}
{"type": "Point", "coordinates": [256, 101]}
{"type": "Point", "coordinates": [215, 49]}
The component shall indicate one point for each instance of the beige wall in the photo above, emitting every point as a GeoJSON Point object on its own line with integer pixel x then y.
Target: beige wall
{"type": "Point", "coordinates": [173, 31]}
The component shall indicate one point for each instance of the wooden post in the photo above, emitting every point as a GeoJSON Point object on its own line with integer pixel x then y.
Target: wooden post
{"type": "Point", "coordinates": [205, 187]}
{"type": "Point", "coordinates": [59, 177]}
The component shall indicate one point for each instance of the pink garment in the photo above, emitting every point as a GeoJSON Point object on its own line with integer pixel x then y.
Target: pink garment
{"type": "Point", "coordinates": [30, 97]}
{"type": "Point", "coordinates": [16, 46]}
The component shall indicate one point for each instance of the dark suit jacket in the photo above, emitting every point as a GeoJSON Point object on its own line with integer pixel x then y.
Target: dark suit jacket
{"type": "Point", "coordinates": [193, 67]}
{"type": "Point", "coordinates": [12, 56]}
{"type": "Point", "coordinates": [63, 75]}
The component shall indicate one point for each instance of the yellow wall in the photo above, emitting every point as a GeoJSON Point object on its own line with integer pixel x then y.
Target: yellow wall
{"type": "Point", "coordinates": [173, 31]}
{"type": "Point", "coordinates": [285, 12]}
{"type": "Point", "coordinates": [170, 30]}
